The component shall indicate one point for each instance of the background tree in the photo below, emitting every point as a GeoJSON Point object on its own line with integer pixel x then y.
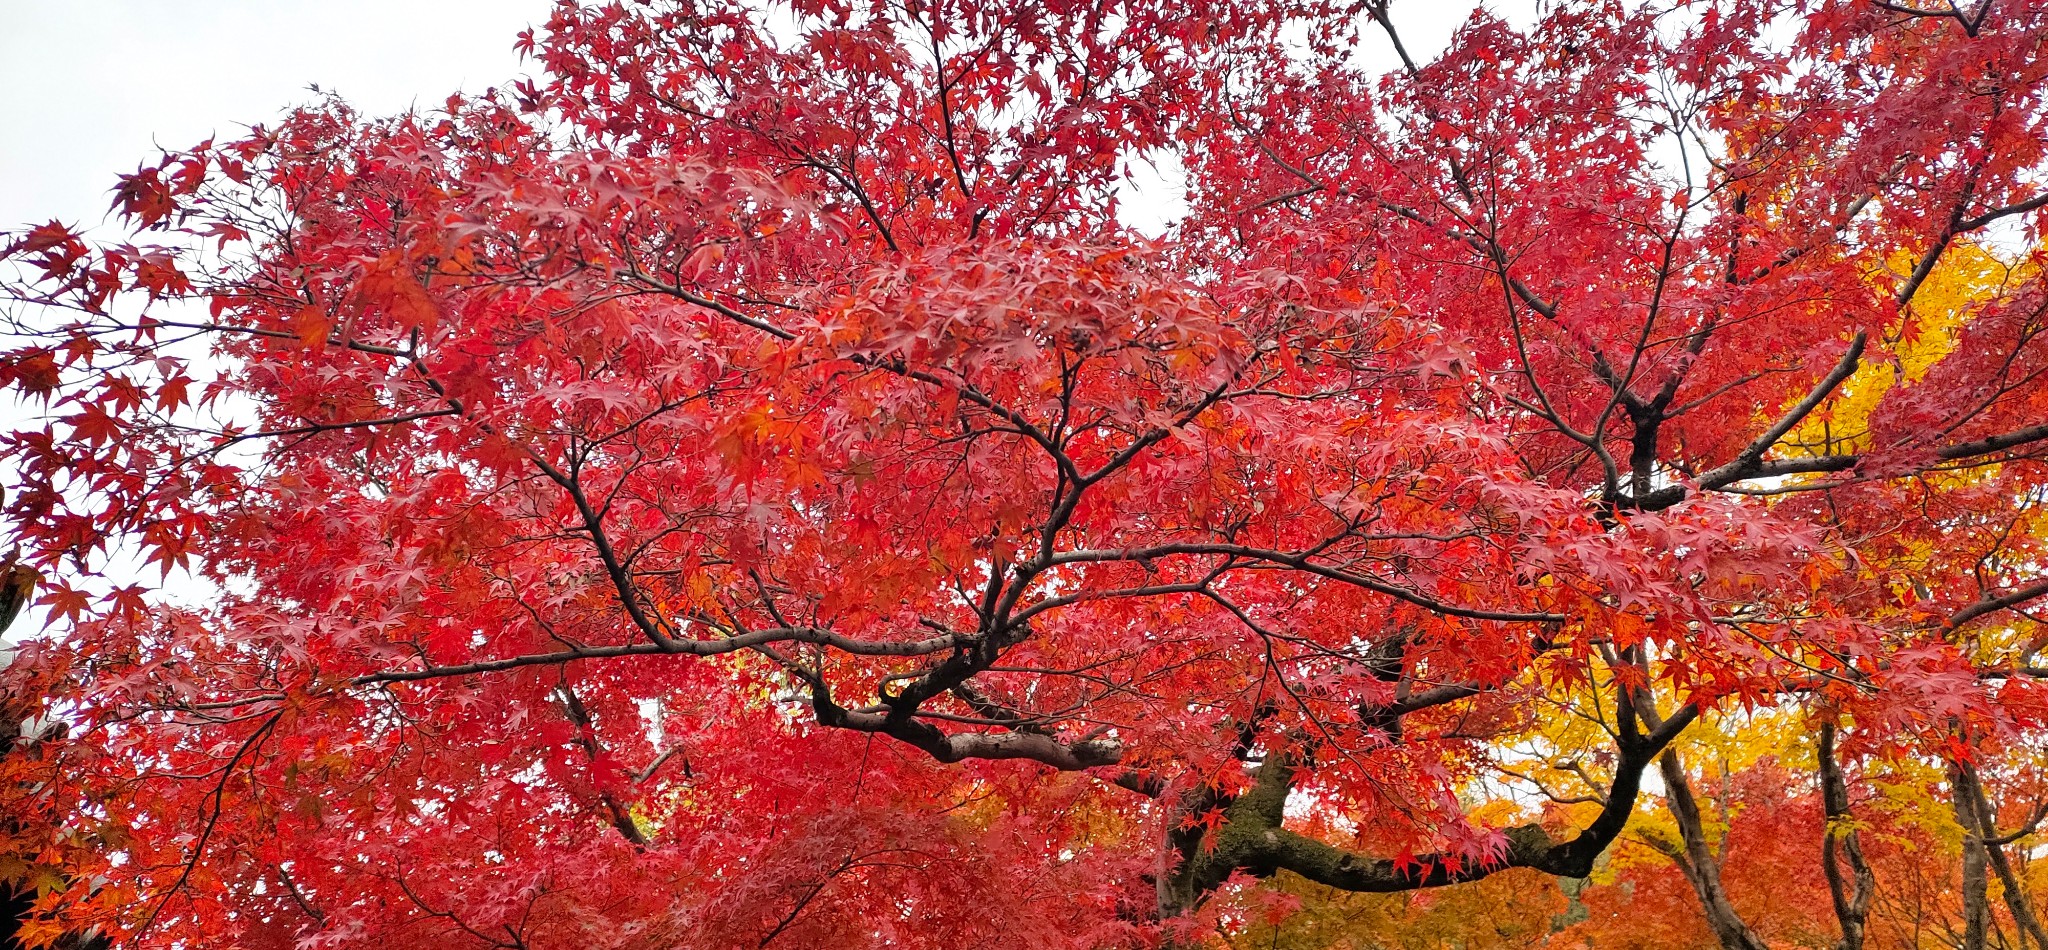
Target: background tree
{"type": "Point", "coordinates": [747, 486]}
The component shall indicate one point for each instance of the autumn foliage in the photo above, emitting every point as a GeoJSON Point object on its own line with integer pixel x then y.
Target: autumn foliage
{"type": "Point", "coordinates": [745, 486]}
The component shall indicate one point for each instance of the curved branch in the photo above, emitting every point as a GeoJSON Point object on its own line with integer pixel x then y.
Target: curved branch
{"type": "Point", "coordinates": [751, 640]}
{"type": "Point", "coordinates": [1274, 849]}
{"type": "Point", "coordinates": [1302, 562]}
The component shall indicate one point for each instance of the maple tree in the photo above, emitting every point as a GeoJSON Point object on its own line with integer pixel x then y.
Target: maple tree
{"type": "Point", "coordinates": [746, 486]}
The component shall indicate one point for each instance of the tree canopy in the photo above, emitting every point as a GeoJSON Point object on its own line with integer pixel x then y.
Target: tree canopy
{"type": "Point", "coordinates": [746, 486]}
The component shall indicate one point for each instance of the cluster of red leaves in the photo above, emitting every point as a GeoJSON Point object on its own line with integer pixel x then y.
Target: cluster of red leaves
{"type": "Point", "coordinates": [712, 492]}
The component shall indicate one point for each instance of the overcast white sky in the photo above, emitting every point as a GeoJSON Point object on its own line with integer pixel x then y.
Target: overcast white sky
{"type": "Point", "coordinates": [90, 88]}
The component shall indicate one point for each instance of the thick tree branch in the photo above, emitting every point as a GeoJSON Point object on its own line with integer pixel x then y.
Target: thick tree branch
{"type": "Point", "coordinates": [1824, 464]}
{"type": "Point", "coordinates": [1272, 848]}
{"type": "Point", "coordinates": [749, 640]}
{"type": "Point", "coordinates": [1751, 457]}
{"type": "Point", "coordinates": [1303, 561]}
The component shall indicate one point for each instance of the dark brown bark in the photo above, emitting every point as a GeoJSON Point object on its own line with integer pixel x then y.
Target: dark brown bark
{"type": "Point", "coordinates": [17, 585]}
{"type": "Point", "coordinates": [1696, 859]}
{"type": "Point", "coordinates": [1976, 902]}
{"type": "Point", "coordinates": [1251, 836]}
{"type": "Point", "coordinates": [1985, 829]}
{"type": "Point", "coordinates": [1840, 841]}
{"type": "Point", "coordinates": [586, 737]}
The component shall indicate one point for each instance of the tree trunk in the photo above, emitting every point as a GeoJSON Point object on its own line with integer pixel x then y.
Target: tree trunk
{"type": "Point", "coordinates": [1702, 869]}
{"type": "Point", "coordinates": [19, 728]}
{"type": "Point", "coordinates": [1986, 830]}
{"type": "Point", "coordinates": [1840, 840]}
{"type": "Point", "coordinates": [1976, 903]}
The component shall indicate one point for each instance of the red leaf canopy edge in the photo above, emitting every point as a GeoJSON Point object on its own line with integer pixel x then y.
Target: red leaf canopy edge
{"type": "Point", "coordinates": [746, 486]}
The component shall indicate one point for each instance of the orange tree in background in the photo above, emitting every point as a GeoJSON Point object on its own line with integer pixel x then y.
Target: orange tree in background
{"type": "Point", "coordinates": [744, 487]}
